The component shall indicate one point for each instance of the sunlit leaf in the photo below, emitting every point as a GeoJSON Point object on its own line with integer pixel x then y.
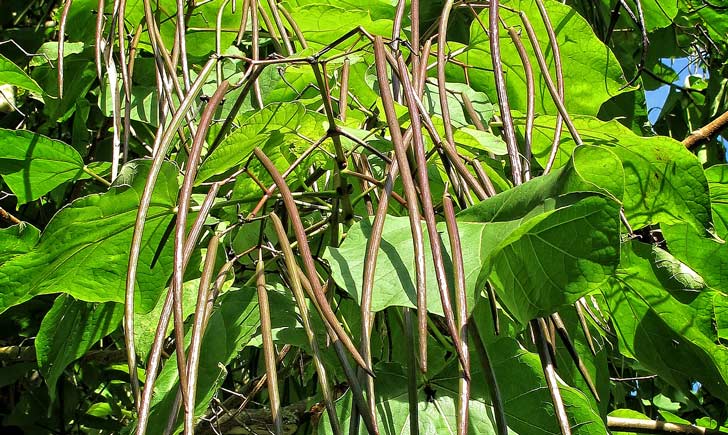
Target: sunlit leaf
{"type": "Point", "coordinates": [84, 250]}
{"type": "Point", "coordinates": [32, 164]}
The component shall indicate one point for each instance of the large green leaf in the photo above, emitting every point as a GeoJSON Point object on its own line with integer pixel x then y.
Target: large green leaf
{"type": "Point", "coordinates": [542, 249]}
{"type": "Point", "coordinates": [68, 331]}
{"type": "Point", "coordinates": [651, 323]}
{"type": "Point", "coordinates": [663, 181]}
{"type": "Point", "coordinates": [84, 250]}
{"type": "Point", "coordinates": [556, 257]}
{"type": "Point", "coordinates": [545, 247]}
{"type": "Point", "coordinates": [592, 74]}
{"type": "Point", "coordinates": [229, 329]}
{"type": "Point", "coordinates": [11, 74]}
{"type": "Point", "coordinates": [718, 181]}
{"type": "Point", "coordinates": [79, 77]}
{"type": "Point", "coordinates": [32, 164]}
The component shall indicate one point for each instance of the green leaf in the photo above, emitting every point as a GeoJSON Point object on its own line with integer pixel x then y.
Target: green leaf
{"type": "Point", "coordinates": [663, 181]}
{"type": "Point", "coordinates": [394, 276]}
{"type": "Point", "coordinates": [556, 257]}
{"type": "Point", "coordinates": [257, 128]}
{"type": "Point", "coordinates": [11, 74]}
{"type": "Point", "coordinates": [324, 21]}
{"type": "Point", "coordinates": [651, 323]}
{"type": "Point", "coordinates": [79, 76]}
{"type": "Point", "coordinates": [705, 255]}
{"type": "Point", "coordinates": [718, 182]}
{"type": "Point", "coordinates": [32, 164]}
{"type": "Point", "coordinates": [592, 74]}
{"type": "Point", "coordinates": [540, 249]}
{"type": "Point", "coordinates": [543, 247]}
{"type": "Point", "coordinates": [49, 52]}
{"type": "Point", "coordinates": [458, 115]}
{"type": "Point", "coordinates": [68, 331]}
{"type": "Point", "coordinates": [144, 104]}
{"type": "Point", "coordinates": [229, 329]}
{"type": "Point", "coordinates": [84, 250]}
{"type": "Point", "coordinates": [17, 239]}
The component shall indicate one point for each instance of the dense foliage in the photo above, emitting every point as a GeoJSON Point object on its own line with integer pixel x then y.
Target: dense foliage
{"type": "Point", "coordinates": [336, 216]}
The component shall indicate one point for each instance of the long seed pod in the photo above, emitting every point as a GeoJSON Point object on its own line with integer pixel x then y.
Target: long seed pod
{"type": "Point", "coordinates": [428, 211]}
{"type": "Point", "coordinates": [61, 43]}
{"type": "Point", "coordinates": [414, 419]}
{"type": "Point", "coordinates": [461, 306]}
{"type": "Point", "coordinates": [269, 354]}
{"type": "Point", "coordinates": [499, 409]}
{"type": "Point", "coordinates": [500, 83]}
{"type": "Point", "coordinates": [414, 214]}
{"type": "Point", "coordinates": [556, 52]}
{"type": "Point", "coordinates": [356, 391]}
{"type": "Point", "coordinates": [297, 290]}
{"type": "Point", "coordinates": [530, 100]}
{"type": "Point", "coordinates": [155, 352]}
{"type": "Point", "coordinates": [547, 78]}
{"type": "Point", "coordinates": [193, 357]}
{"type": "Point", "coordinates": [307, 258]}
{"type": "Point", "coordinates": [143, 209]}
{"type": "Point", "coordinates": [183, 204]}
{"type": "Point", "coordinates": [540, 331]}
{"type": "Point", "coordinates": [370, 264]}
{"type": "Point", "coordinates": [566, 339]}
{"type": "Point", "coordinates": [409, 189]}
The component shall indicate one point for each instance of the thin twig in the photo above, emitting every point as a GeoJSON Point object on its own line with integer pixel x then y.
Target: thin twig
{"type": "Point", "coordinates": [622, 424]}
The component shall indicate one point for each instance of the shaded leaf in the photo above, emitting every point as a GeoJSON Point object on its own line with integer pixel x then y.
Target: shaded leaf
{"type": "Point", "coordinates": [231, 326]}
{"type": "Point", "coordinates": [68, 331]}
{"type": "Point", "coordinates": [11, 74]}
{"type": "Point", "coordinates": [651, 323]}
{"type": "Point", "coordinates": [701, 253]}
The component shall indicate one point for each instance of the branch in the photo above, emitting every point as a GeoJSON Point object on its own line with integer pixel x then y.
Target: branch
{"type": "Point", "coordinates": [653, 427]}
{"type": "Point", "coordinates": [706, 133]}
